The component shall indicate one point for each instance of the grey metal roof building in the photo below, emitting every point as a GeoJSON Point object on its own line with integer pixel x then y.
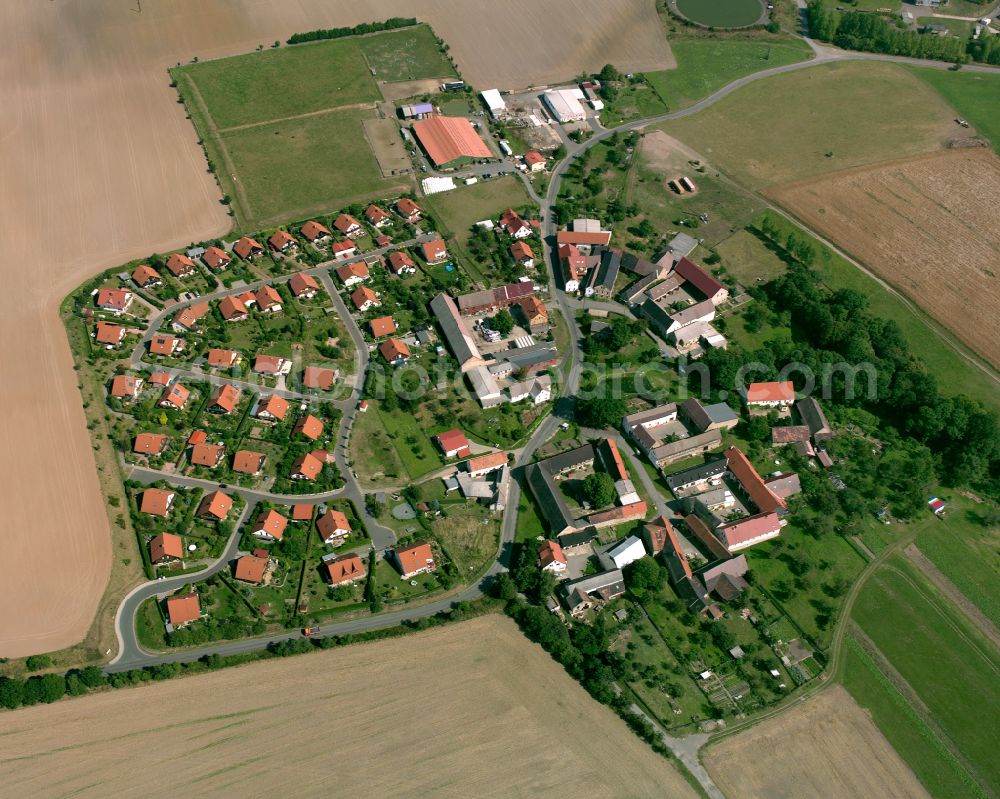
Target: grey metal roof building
{"type": "Point", "coordinates": [698, 474]}
{"type": "Point", "coordinates": [456, 333]}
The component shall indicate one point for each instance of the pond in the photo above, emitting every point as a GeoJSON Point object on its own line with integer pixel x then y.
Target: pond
{"type": "Point", "coordinates": [721, 13]}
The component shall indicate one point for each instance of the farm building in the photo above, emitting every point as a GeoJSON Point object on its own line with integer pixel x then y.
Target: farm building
{"type": "Point", "coordinates": [494, 102]}
{"type": "Point", "coordinates": [449, 141]}
{"type": "Point", "coordinates": [564, 104]}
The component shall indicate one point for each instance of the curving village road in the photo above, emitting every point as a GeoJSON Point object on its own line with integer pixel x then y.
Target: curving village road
{"type": "Point", "coordinates": [131, 655]}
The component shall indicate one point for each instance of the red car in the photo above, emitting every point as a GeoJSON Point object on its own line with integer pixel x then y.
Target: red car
{"type": "Point", "coordinates": [310, 631]}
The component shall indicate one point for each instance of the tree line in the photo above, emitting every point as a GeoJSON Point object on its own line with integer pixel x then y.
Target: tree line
{"type": "Point", "coordinates": [365, 27]}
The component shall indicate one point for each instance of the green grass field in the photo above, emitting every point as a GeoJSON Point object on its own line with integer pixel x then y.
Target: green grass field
{"type": "Point", "coordinates": [705, 65]}
{"type": "Point", "coordinates": [954, 374]}
{"type": "Point", "coordinates": [935, 766]}
{"type": "Point", "coordinates": [972, 94]}
{"type": "Point", "coordinates": [746, 258]}
{"type": "Point", "coordinates": [408, 54]}
{"type": "Point", "coordinates": [292, 169]}
{"type": "Point", "coordinates": [721, 13]}
{"type": "Point", "coordinates": [818, 120]}
{"type": "Point", "coordinates": [460, 209]}
{"type": "Point", "coordinates": [942, 658]}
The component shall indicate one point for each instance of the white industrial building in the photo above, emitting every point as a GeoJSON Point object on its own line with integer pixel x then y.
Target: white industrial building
{"type": "Point", "coordinates": [623, 553]}
{"type": "Point", "coordinates": [564, 104]}
{"type": "Point", "coordinates": [494, 102]}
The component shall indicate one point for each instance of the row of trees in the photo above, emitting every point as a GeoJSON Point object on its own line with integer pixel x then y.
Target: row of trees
{"type": "Point", "coordinates": [339, 33]}
{"type": "Point", "coordinates": [873, 33]}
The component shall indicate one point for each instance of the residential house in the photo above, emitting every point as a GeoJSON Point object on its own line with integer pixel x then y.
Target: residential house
{"type": "Point", "coordinates": [750, 530]}
{"type": "Point", "coordinates": [187, 318]}
{"type": "Point", "coordinates": [484, 464]}
{"type": "Point", "coordinates": [394, 351]}
{"type": "Point", "coordinates": [584, 241]}
{"type": "Point", "coordinates": [408, 209]}
{"type": "Point", "coordinates": [364, 298]}
{"type": "Point", "coordinates": [109, 334]}
{"type": "Point", "coordinates": [246, 461]}
{"type": "Point", "coordinates": [248, 248]}
{"type": "Point", "coordinates": [536, 316]}
{"type": "Point", "coordinates": [726, 579]}
{"type": "Point", "coordinates": [157, 501]}
{"type": "Point", "coordinates": [183, 609]}
{"type": "Point", "coordinates": [145, 277]}
{"type": "Point", "coordinates": [345, 570]}
{"type": "Point", "coordinates": [174, 397]}
{"type": "Point", "coordinates": [272, 408]}
{"type": "Point", "coordinates": [150, 444]}
{"type": "Point", "coordinates": [342, 250]}
{"type": "Point", "coordinates": [303, 286]}
{"type": "Point", "coordinates": [537, 389]}
{"type": "Point", "coordinates": [269, 364]}
{"type": "Point", "coordinates": [251, 569]}
{"type": "Point", "coordinates": [269, 525]}
{"type": "Point", "coordinates": [116, 301]}
{"type": "Point", "coordinates": [317, 377]}
{"type": "Point", "coordinates": [352, 274]}
{"type": "Point", "coordinates": [665, 454]}
{"type": "Point", "coordinates": [268, 300]}
{"type": "Point", "coordinates": [349, 226]}
{"type": "Point", "coordinates": [453, 444]}
{"type": "Point", "coordinates": [181, 266]}
{"type": "Point", "coordinates": [695, 276]}
{"type": "Point", "coordinates": [434, 252]}
{"type": "Point", "coordinates": [752, 484]}
{"type": "Point", "coordinates": [306, 467]}
{"type": "Point", "coordinates": [382, 326]}
{"type": "Point", "coordinates": [222, 359]}
{"type": "Point", "coordinates": [333, 527]}
{"type": "Point", "coordinates": [514, 225]}
{"type": "Point", "coordinates": [655, 534]}
{"type": "Point", "coordinates": [207, 455]}
{"type": "Point", "coordinates": [215, 258]}
{"type": "Point", "coordinates": [308, 426]}
{"type": "Point", "coordinates": [534, 161]}
{"type": "Point", "coordinates": [579, 594]}
{"type": "Point", "coordinates": [401, 264]}
{"type": "Point", "coordinates": [224, 399]}
{"type": "Point", "coordinates": [160, 379]}
{"type": "Point", "coordinates": [413, 560]}
{"type": "Point", "coordinates": [377, 217]}
{"type": "Point", "coordinates": [551, 557]}
{"type": "Point", "coordinates": [165, 548]}
{"type": "Point", "coordinates": [574, 266]}
{"type": "Point", "coordinates": [315, 232]}
{"type": "Point", "coordinates": [126, 387]}
{"type": "Point", "coordinates": [232, 309]}
{"type": "Point", "coordinates": [522, 254]}
{"type": "Point", "coordinates": [698, 478]}
{"type": "Point", "coordinates": [770, 395]}
{"type": "Point", "coordinates": [302, 512]}
{"type": "Point", "coordinates": [214, 506]}
{"type": "Point", "coordinates": [282, 241]}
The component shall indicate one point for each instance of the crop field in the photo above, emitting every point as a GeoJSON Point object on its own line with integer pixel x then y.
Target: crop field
{"type": "Point", "coordinates": [820, 120]}
{"type": "Point", "coordinates": [704, 65]}
{"type": "Point", "coordinates": [927, 226]}
{"type": "Point", "coordinates": [922, 637]}
{"type": "Point", "coordinates": [827, 747]}
{"type": "Point", "coordinates": [484, 713]}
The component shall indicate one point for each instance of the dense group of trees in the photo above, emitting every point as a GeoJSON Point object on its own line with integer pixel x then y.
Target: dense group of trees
{"type": "Point", "coordinates": [873, 33]}
{"type": "Point", "coordinates": [339, 33]}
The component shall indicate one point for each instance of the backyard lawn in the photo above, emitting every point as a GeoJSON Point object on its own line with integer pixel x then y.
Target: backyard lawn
{"type": "Point", "coordinates": [460, 209]}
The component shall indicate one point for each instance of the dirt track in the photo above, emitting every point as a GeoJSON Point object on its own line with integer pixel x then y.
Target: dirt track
{"type": "Point", "coordinates": [99, 165]}
{"type": "Point", "coordinates": [469, 710]}
{"type": "Point", "coordinates": [928, 225]}
{"type": "Point", "coordinates": [827, 747]}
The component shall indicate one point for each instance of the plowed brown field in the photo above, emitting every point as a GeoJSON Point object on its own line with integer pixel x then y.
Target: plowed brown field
{"type": "Point", "coordinates": [99, 165]}
{"type": "Point", "coordinates": [827, 748]}
{"type": "Point", "coordinates": [929, 225]}
{"type": "Point", "coordinates": [473, 709]}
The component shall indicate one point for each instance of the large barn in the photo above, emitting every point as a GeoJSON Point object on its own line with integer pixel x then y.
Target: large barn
{"type": "Point", "coordinates": [447, 140]}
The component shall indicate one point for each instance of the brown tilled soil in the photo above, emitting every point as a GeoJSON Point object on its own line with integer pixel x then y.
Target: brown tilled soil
{"type": "Point", "coordinates": [473, 709]}
{"type": "Point", "coordinates": [826, 747]}
{"type": "Point", "coordinates": [99, 165]}
{"type": "Point", "coordinates": [927, 225]}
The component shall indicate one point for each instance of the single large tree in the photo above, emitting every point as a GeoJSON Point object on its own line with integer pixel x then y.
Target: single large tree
{"type": "Point", "coordinates": [599, 489]}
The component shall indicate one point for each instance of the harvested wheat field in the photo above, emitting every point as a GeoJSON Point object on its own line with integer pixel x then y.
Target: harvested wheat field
{"type": "Point", "coordinates": [473, 709]}
{"type": "Point", "coordinates": [827, 747]}
{"type": "Point", "coordinates": [99, 165]}
{"type": "Point", "coordinates": [927, 225]}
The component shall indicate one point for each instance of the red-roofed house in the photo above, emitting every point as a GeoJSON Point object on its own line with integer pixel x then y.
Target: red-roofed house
{"type": "Point", "coordinates": [364, 298]}
{"type": "Point", "coordinates": [535, 161]}
{"type": "Point", "coordinates": [771, 395]}
{"type": "Point", "coordinates": [655, 534]}
{"type": "Point", "coordinates": [754, 488]}
{"type": "Point", "coordinates": [157, 501]}
{"type": "Point", "coordinates": [114, 301]}
{"type": "Point", "coordinates": [126, 387]}
{"type": "Point", "coordinates": [377, 217]}
{"type": "Point", "coordinates": [315, 232]}
{"type": "Point", "coordinates": [180, 265]}
{"type": "Point", "coordinates": [413, 560]}
{"type": "Point", "coordinates": [162, 344]}
{"type": "Point", "coordinates": [248, 248]}
{"type": "Point", "coordinates": [174, 397]}
{"type": "Point", "coordinates": [183, 609]}
{"type": "Point", "coordinates": [224, 399]}
{"type": "Point", "coordinates": [268, 364]}
{"type": "Point", "coordinates": [306, 467]}
{"type": "Point", "coordinates": [408, 209]}
{"type": "Point", "coordinates": [342, 250]}
{"type": "Point", "coordinates": [282, 241]}
{"type": "Point", "coordinates": [748, 531]}
{"type": "Point", "coordinates": [215, 258]}
{"type": "Point", "coordinates": [382, 326]}
{"type": "Point", "coordinates": [302, 512]}
{"type": "Point", "coordinates": [394, 351]}
{"type": "Point", "coordinates": [345, 570]}
{"type": "Point", "coordinates": [513, 225]}
{"type": "Point", "coordinates": [232, 309]}
{"type": "Point", "coordinates": [214, 506]}
{"type": "Point", "coordinates": [247, 462]}
{"type": "Point", "coordinates": [434, 252]}
{"type": "Point", "coordinates": [352, 274]}
{"type": "Point", "coordinates": [269, 525]}
{"type": "Point", "coordinates": [453, 444]}
{"type": "Point", "coordinates": [150, 444]}
{"type": "Point", "coordinates": [110, 334]}
{"type": "Point", "coordinates": [484, 464]}
{"type": "Point", "coordinates": [308, 426]}
{"type": "Point", "coordinates": [187, 318]}
{"type": "Point", "coordinates": [701, 280]}
{"type": "Point", "coordinates": [207, 455]}
{"type": "Point", "coordinates": [522, 254]}
{"type": "Point", "coordinates": [165, 548]}
{"type": "Point", "coordinates": [304, 287]}
{"type": "Point", "coordinates": [250, 569]}
{"type": "Point", "coordinates": [160, 379]}
{"type": "Point", "coordinates": [146, 277]}
{"type": "Point", "coordinates": [401, 264]}
{"type": "Point", "coordinates": [319, 378]}
{"type": "Point", "coordinates": [333, 527]}
{"type": "Point", "coordinates": [272, 408]}
{"type": "Point", "coordinates": [222, 359]}
{"type": "Point", "coordinates": [551, 557]}
{"type": "Point", "coordinates": [268, 300]}
{"type": "Point", "coordinates": [349, 226]}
